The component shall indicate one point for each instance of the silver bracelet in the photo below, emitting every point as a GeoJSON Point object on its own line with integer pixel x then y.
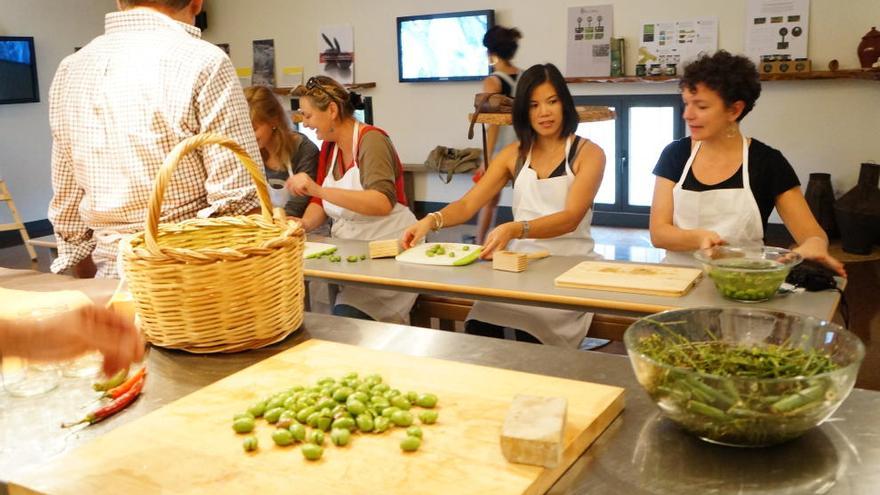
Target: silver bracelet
{"type": "Point", "coordinates": [525, 229]}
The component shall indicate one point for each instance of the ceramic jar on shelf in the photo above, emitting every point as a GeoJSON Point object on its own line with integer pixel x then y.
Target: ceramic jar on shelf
{"type": "Point", "coordinates": [869, 48]}
{"type": "Point", "coordinates": [858, 212]}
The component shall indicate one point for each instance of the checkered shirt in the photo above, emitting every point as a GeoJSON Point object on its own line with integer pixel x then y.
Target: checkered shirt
{"type": "Point", "coordinates": [116, 108]}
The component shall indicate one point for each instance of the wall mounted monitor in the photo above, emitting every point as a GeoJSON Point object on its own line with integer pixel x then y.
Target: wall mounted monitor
{"type": "Point", "coordinates": [18, 70]}
{"type": "Point", "coordinates": [443, 47]}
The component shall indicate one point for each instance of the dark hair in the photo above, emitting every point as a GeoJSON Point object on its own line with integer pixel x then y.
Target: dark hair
{"type": "Point", "coordinates": [734, 77]}
{"type": "Point", "coordinates": [502, 41]}
{"type": "Point", "coordinates": [323, 90]}
{"type": "Point", "coordinates": [533, 77]}
{"type": "Point", "coordinates": [171, 4]}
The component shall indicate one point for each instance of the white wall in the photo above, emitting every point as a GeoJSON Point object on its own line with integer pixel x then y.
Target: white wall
{"type": "Point", "coordinates": [25, 141]}
{"type": "Point", "coordinates": [820, 125]}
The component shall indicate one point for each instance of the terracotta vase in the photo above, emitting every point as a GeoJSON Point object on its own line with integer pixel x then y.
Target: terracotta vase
{"type": "Point", "coordinates": [869, 48]}
{"type": "Point", "coordinates": [858, 212]}
{"type": "Point", "coordinates": [820, 198]}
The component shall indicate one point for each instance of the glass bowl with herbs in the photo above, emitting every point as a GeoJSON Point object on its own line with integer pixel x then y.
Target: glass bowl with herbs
{"type": "Point", "coordinates": [747, 274]}
{"type": "Point", "coordinates": [743, 377]}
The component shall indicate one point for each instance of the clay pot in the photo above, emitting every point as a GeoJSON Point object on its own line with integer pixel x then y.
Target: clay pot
{"type": "Point", "coordinates": [858, 212]}
{"type": "Point", "coordinates": [869, 48]}
{"type": "Point", "coordinates": [820, 198]}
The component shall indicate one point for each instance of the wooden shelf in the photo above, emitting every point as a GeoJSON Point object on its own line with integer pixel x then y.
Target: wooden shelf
{"type": "Point", "coordinates": [867, 75]}
{"type": "Point", "coordinates": [285, 90]}
{"type": "Point", "coordinates": [585, 114]}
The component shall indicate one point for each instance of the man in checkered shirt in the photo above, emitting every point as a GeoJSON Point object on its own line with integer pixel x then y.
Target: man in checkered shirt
{"type": "Point", "coordinates": [117, 107]}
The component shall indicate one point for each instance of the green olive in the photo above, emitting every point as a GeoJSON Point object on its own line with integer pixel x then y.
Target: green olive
{"type": "Point", "coordinates": [412, 396]}
{"type": "Point", "coordinates": [380, 424]}
{"type": "Point", "coordinates": [365, 422]}
{"type": "Point", "coordinates": [311, 451]}
{"type": "Point", "coordinates": [401, 402]}
{"type": "Point", "coordinates": [257, 409]}
{"type": "Point", "coordinates": [426, 400]}
{"type": "Point", "coordinates": [466, 248]}
{"type": "Point", "coordinates": [340, 436]}
{"type": "Point", "coordinates": [273, 414]}
{"type": "Point", "coordinates": [324, 423]}
{"type": "Point", "coordinates": [344, 423]}
{"type": "Point", "coordinates": [452, 254]}
{"type": "Point", "coordinates": [317, 437]}
{"type": "Point", "coordinates": [378, 400]}
{"type": "Point", "coordinates": [243, 425]}
{"type": "Point", "coordinates": [352, 259]}
{"type": "Point", "coordinates": [243, 415]}
{"type": "Point", "coordinates": [250, 444]}
{"type": "Point", "coordinates": [363, 257]}
{"type": "Point", "coordinates": [303, 414]}
{"type": "Point", "coordinates": [356, 407]}
{"type": "Point", "coordinates": [373, 379]}
{"type": "Point", "coordinates": [402, 418]}
{"type": "Point", "coordinates": [414, 431]}
{"type": "Point", "coordinates": [410, 444]}
{"type": "Point", "coordinates": [298, 431]}
{"type": "Point", "coordinates": [282, 437]}
{"type": "Point", "coordinates": [389, 411]}
{"type": "Point", "coordinates": [428, 417]}
{"type": "Point", "coordinates": [342, 394]}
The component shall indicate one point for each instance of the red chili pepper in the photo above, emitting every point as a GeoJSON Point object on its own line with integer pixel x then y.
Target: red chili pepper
{"type": "Point", "coordinates": [113, 407]}
{"type": "Point", "coordinates": [115, 392]}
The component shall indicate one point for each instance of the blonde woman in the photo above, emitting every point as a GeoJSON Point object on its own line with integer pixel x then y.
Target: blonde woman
{"type": "Point", "coordinates": [285, 152]}
{"type": "Point", "coordinates": [359, 187]}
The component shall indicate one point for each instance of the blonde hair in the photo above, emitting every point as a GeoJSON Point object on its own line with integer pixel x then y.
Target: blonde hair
{"type": "Point", "coordinates": [322, 90]}
{"type": "Point", "coordinates": [266, 108]}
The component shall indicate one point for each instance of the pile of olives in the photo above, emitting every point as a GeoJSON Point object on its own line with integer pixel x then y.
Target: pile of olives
{"type": "Point", "coordinates": [341, 408]}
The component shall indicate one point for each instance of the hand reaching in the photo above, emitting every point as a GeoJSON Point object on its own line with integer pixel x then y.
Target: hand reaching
{"type": "Point", "coordinates": [499, 238]}
{"type": "Point", "coordinates": [416, 232]}
{"type": "Point", "coordinates": [302, 184]}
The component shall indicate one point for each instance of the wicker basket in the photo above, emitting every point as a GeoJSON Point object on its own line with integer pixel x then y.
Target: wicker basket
{"type": "Point", "coordinates": [221, 284]}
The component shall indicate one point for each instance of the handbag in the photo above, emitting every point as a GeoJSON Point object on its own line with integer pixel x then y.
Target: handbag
{"type": "Point", "coordinates": [452, 161]}
{"type": "Point", "coordinates": [488, 103]}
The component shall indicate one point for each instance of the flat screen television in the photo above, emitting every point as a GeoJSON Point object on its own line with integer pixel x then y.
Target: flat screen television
{"type": "Point", "coordinates": [364, 115]}
{"type": "Point", "coordinates": [443, 47]}
{"type": "Point", "coordinates": [18, 70]}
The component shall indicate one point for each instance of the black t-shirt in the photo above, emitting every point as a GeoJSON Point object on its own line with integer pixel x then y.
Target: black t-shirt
{"type": "Point", "coordinates": [770, 174]}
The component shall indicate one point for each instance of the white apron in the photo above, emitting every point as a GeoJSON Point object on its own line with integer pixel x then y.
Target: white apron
{"type": "Point", "coordinates": [381, 305]}
{"type": "Point", "coordinates": [534, 198]}
{"type": "Point", "coordinates": [732, 213]}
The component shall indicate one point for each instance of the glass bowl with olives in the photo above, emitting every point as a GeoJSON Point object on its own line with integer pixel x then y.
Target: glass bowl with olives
{"type": "Point", "coordinates": [747, 274]}
{"type": "Point", "coordinates": [743, 376]}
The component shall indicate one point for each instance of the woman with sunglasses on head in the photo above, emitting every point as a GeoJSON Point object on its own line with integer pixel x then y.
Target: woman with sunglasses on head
{"type": "Point", "coordinates": [285, 152]}
{"type": "Point", "coordinates": [556, 175]}
{"type": "Point", "coordinates": [359, 187]}
{"type": "Point", "coordinates": [718, 186]}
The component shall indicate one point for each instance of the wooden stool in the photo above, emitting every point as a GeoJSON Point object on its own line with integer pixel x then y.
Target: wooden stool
{"type": "Point", "coordinates": [16, 220]}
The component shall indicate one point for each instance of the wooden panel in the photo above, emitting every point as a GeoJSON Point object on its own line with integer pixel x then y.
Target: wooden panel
{"type": "Point", "coordinates": [189, 446]}
{"type": "Point", "coordinates": [654, 279]}
{"type": "Point", "coordinates": [868, 75]}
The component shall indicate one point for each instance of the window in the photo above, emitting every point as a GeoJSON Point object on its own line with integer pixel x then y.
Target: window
{"type": "Point", "coordinates": [632, 142]}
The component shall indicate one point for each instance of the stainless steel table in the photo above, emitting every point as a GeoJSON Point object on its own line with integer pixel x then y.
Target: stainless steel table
{"type": "Point", "coordinates": [533, 286]}
{"type": "Point", "coordinates": [640, 453]}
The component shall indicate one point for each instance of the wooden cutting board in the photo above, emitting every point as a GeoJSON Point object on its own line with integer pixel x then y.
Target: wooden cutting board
{"type": "Point", "coordinates": [188, 446]}
{"type": "Point", "coordinates": [636, 278]}
{"type": "Point", "coordinates": [418, 254]}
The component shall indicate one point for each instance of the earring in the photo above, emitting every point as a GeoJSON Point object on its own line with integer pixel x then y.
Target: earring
{"type": "Point", "coordinates": [731, 131]}
{"type": "Point", "coordinates": [493, 60]}
{"type": "Point", "coordinates": [332, 129]}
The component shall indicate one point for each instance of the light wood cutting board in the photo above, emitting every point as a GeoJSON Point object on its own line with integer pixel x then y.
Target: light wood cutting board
{"type": "Point", "coordinates": [315, 249]}
{"type": "Point", "coordinates": [188, 446]}
{"type": "Point", "coordinates": [636, 278]}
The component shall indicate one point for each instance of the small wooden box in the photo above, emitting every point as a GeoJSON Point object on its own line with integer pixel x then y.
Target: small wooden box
{"type": "Point", "coordinates": [509, 261]}
{"type": "Point", "coordinates": [785, 66]}
{"type": "Point", "coordinates": [387, 248]}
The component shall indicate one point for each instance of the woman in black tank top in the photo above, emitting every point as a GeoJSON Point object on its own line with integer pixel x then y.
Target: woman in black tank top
{"type": "Point", "coordinates": [502, 43]}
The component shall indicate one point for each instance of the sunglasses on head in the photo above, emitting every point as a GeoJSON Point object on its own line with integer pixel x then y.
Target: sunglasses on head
{"type": "Point", "coordinates": [313, 83]}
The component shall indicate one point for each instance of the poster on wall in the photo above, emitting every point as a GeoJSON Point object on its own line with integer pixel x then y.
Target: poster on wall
{"type": "Point", "coordinates": [264, 63]}
{"type": "Point", "coordinates": [777, 29]}
{"type": "Point", "coordinates": [588, 41]}
{"type": "Point", "coordinates": [665, 46]}
{"type": "Point", "coordinates": [336, 56]}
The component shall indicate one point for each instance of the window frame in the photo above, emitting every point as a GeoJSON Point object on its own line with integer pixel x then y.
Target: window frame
{"type": "Point", "coordinates": [620, 213]}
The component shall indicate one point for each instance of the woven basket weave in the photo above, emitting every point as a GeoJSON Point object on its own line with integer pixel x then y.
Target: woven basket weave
{"type": "Point", "coordinates": [221, 284]}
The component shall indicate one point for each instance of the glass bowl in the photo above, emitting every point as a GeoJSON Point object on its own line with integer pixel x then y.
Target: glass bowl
{"type": "Point", "coordinates": [747, 274]}
{"type": "Point", "coordinates": [736, 406]}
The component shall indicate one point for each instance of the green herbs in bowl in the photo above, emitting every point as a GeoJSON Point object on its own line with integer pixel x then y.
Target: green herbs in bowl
{"type": "Point", "coordinates": [747, 274]}
{"type": "Point", "coordinates": [743, 377]}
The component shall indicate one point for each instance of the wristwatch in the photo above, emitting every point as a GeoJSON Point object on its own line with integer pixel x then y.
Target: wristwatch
{"type": "Point", "coordinates": [525, 229]}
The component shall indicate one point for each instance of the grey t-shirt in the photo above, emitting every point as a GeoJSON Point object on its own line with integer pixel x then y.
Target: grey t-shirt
{"type": "Point", "coordinates": [303, 159]}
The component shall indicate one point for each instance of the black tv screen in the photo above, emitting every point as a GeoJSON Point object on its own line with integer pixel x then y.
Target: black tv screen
{"type": "Point", "coordinates": [18, 70]}
{"type": "Point", "coordinates": [443, 47]}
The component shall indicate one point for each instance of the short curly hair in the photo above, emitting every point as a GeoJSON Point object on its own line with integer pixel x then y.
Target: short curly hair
{"type": "Point", "coordinates": [734, 77]}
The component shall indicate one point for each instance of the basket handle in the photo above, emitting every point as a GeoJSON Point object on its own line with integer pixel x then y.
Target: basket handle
{"type": "Point", "coordinates": [171, 161]}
